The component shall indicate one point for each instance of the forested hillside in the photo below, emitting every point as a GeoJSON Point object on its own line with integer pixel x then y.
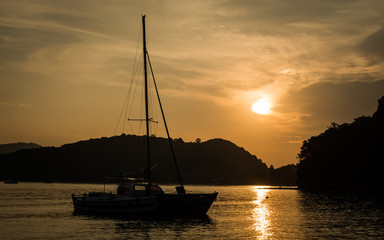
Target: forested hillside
{"type": "Point", "coordinates": [215, 161]}
{"type": "Point", "coordinates": [346, 157]}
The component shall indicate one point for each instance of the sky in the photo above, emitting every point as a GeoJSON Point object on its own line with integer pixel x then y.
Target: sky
{"type": "Point", "coordinates": [66, 67]}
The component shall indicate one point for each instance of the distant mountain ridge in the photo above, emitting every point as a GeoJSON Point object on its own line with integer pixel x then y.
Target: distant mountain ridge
{"type": "Point", "coordinates": [216, 161]}
{"type": "Point", "coordinates": [13, 147]}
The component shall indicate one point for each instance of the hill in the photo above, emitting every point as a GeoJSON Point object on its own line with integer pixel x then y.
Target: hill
{"type": "Point", "coordinates": [215, 161]}
{"type": "Point", "coordinates": [13, 147]}
{"type": "Point", "coordinates": [346, 157]}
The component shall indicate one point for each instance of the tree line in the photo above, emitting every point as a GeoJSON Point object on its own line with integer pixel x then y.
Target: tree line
{"type": "Point", "coordinates": [216, 161]}
{"type": "Point", "coordinates": [346, 157]}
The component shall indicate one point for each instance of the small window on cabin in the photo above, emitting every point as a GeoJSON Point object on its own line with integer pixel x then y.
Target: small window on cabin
{"type": "Point", "coordinates": [139, 188]}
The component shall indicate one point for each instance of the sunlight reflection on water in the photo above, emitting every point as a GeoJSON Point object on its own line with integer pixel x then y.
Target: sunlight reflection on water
{"type": "Point", "coordinates": [42, 211]}
{"type": "Point", "coordinates": [261, 214]}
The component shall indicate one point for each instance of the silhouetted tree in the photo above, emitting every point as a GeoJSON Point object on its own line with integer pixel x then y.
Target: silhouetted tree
{"type": "Point", "coordinates": [283, 176]}
{"type": "Point", "coordinates": [346, 157]}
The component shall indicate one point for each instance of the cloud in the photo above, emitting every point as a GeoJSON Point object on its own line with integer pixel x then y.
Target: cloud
{"type": "Point", "coordinates": [20, 105]}
{"type": "Point", "coordinates": [311, 58]}
{"type": "Point", "coordinates": [319, 35]}
{"type": "Point", "coordinates": [233, 45]}
{"type": "Point", "coordinates": [316, 106]}
{"type": "Point", "coordinates": [279, 17]}
{"type": "Point", "coordinates": [373, 46]}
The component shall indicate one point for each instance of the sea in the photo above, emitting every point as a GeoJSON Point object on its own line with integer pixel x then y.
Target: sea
{"type": "Point", "coordinates": [45, 211]}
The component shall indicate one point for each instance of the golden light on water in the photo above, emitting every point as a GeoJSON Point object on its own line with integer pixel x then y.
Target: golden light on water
{"type": "Point", "coordinates": [261, 214]}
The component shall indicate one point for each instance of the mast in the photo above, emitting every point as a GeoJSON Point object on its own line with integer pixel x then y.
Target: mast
{"type": "Point", "coordinates": [146, 105]}
{"type": "Point", "coordinates": [179, 189]}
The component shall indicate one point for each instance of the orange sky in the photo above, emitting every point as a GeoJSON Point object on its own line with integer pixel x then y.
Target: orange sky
{"type": "Point", "coordinates": [66, 66]}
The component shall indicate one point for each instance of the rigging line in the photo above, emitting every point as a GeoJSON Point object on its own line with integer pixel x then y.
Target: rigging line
{"type": "Point", "coordinates": [153, 109]}
{"type": "Point", "coordinates": [138, 72]}
{"type": "Point", "coordinates": [130, 96]}
{"type": "Point", "coordinates": [125, 105]}
{"type": "Point", "coordinates": [152, 106]}
{"type": "Point", "coordinates": [154, 112]}
{"type": "Point", "coordinates": [136, 77]}
{"type": "Point", "coordinates": [141, 106]}
{"type": "Point", "coordinates": [141, 170]}
{"type": "Point", "coordinates": [121, 113]}
{"type": "Point", "coordinates": [165, 125]}
{"type": "Point", "coordinates": [136, 67]}
{"type": "Point", "coordinates": [131, 101]}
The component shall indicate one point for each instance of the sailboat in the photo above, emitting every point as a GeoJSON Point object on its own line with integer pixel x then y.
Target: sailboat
{"type": "Point", "coordinates": [142, 196]}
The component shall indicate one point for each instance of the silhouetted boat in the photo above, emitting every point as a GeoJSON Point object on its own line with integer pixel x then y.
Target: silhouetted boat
{"type": "Point", "coordinates": [135, 196]}
{"type": "Point", "coordinates": [11, 181]}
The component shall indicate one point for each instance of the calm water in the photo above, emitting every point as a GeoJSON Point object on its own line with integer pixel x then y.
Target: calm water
{"type": "Point", "coordinates": [44, 211]}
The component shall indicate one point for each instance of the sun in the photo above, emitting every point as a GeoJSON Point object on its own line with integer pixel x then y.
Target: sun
{"type": "Point", "coordinates": [262, 106]}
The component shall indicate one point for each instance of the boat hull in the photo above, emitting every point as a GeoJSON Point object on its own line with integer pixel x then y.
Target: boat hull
{"type": "Point", "coordinates": [10, 181]}
{"type": "Point", "coordinates": [185, 204]}
{"type": "Point", "coordinates": [114, 204]}
{"type": "Point", "coordinates": [166, 204]}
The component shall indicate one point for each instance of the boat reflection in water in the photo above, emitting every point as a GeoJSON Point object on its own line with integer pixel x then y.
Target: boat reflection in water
{"type": "Point", "coordinates": [261, 213]}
